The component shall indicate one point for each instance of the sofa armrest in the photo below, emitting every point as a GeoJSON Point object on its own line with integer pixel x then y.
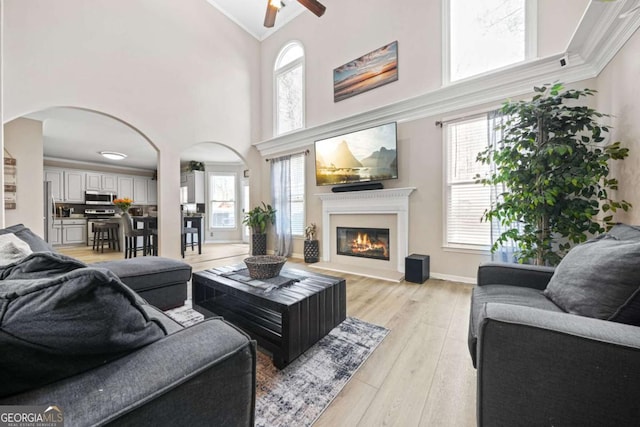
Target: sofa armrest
{"type": "Point", "coordinates": [552, 368]}
{"type": "Point", "coordinates": [530, 276]}
{"type": "Point", "coordinates": [201, 375]}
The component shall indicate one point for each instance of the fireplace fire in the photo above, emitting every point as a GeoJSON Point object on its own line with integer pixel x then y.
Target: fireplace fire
{"type": "Point", "coordinates": [363, 242]}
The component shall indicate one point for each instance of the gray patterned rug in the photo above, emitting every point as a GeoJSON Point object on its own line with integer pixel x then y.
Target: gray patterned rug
{"type": "Point", "coordinates": [298, 394]}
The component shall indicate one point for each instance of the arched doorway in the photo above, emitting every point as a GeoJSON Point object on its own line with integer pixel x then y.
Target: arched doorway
{"type": "Point", "coordinates": [64, 145]}
{"type": "Point", "coordinates": [215, 185]}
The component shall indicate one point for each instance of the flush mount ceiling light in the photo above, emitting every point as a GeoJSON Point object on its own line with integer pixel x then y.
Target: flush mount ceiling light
{"type": "Point", "coordinates": [112, 155]}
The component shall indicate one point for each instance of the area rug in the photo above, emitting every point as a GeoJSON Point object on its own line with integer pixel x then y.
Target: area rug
{"type": "Point", "coordinates": [298, 394]}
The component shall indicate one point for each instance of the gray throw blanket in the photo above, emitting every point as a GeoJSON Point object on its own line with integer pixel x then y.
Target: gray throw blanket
{"type": "Point", "coordinates": [59, 317]}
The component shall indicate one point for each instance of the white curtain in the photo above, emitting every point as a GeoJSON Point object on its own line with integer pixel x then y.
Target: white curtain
{"type": "Point", "coordinates": [507, 250]}
{"type": "Point", "coordinates": [281, 197]}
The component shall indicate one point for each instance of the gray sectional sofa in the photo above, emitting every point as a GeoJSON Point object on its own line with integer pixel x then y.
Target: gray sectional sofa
{"type": "Point", "coordinates": [560, 347]}
{"type": "Point", "coordinates": [76, 337]}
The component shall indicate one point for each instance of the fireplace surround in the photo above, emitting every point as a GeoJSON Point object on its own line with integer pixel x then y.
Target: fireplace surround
{"type": "Point", "coordinates": [392, 202]}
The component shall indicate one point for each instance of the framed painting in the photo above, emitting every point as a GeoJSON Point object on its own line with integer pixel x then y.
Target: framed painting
{"type": "Point", "coordinates": [375, 69]}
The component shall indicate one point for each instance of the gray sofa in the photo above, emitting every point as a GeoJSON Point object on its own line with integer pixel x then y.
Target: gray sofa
{"type": "Point", "coordinates": [75, 336]}
{"type": "Point", "coordinates": [539, 365]}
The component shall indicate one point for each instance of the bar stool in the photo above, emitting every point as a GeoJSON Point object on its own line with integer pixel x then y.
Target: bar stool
{"type": "Point", "coordinates": [106, 232]}
{"type": "Point", "coordinates": [191, 231]}
{"type": "Point", "coordinates": [131, 235]}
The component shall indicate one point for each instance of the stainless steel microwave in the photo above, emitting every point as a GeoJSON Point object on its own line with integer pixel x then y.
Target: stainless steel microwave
{"type": "Point", "coordinates": [99, 198]}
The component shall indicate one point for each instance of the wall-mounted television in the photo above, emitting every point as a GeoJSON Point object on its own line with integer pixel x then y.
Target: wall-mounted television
{"type": "Point", "coordinates": [362, 156]}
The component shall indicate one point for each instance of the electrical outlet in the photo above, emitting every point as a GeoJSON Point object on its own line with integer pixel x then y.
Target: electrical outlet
{"type": "Point", "coordinates": [211, 234]}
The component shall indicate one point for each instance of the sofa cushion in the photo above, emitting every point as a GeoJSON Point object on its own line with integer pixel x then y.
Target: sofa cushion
{"type": "Point", "coordinates": [35, 242]}
{"type": "Point", "coordinates": [150, 272]}
{"type": "Point", "coordinates": [601, 278]}
{"type": "Point", "coordinates": [59, 318]}
{"type": "Point", "coordinates": [505, 294]}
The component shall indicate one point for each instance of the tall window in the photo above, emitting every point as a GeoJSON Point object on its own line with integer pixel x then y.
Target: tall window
{"type": "Point", "coordinates": [466, 200]}
{"type": "Point", "coordinates": [488, 34]}
{"type": "Point", "coordinates": [297, 195]}
{"type": "Point", "coordinates": [289, 89]}
{"type": "Point", "coordinates": [222, 196]}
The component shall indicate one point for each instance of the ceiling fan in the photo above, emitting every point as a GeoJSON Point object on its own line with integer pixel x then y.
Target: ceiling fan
{"type": "Point", "coordinates": [273, 6]}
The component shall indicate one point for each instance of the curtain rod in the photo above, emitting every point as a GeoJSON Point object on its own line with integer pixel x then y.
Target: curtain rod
{"type": "Point", "coordinates": [468, 116]}
{"type": "Point", "coordinates": [305, 152]}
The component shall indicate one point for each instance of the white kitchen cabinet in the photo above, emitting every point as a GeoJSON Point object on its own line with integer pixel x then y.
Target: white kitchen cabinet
{"type": "Point", "coordinates": [97, 181]}
{"type": "Point", "coordinates": [152, 192]}
{"type": "Point", "coordinates": [55, 238]}
{"type": "Point", "coordinates": [56, 176]}
{"type": "Point", "coordinates": [194, 183]}
{"type": "Point", "coordinates": [125, 187]}
{"type": "Point", "coordinates": [69, 232]}
{"type": "Point", "coordinates": [74, 233]}
{"type": "Point", "coordinates": [94, 181]}
{"type": "Point", "coordinates": [74, 186]}
{"type": "Point", "coordinates": [110, 183]}
{"type": "Point", "coordinates": [140, 190]}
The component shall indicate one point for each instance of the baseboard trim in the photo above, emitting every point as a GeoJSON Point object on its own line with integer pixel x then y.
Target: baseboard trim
{"type": "Point", "coordinates": [452, 278]}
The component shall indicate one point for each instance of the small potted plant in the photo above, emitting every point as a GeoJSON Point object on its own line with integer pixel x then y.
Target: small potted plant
{"type": "Point", "coordinates": [258, 218]}
{"type": "Point", "coordinates": [311, 246]}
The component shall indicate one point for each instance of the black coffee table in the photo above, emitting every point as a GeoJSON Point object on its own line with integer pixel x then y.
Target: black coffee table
{"type": "Point", "coordinates": [285, 320]}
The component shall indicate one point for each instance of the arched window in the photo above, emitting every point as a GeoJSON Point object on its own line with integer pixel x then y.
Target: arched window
{"type": "Point", "coordinates": [289, 89]}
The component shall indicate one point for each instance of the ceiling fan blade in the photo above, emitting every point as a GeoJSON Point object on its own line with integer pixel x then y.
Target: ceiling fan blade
{"type": "Point", "coordinates": [270, 16]}
{"type": "Point", "coordinates": [314, 6]}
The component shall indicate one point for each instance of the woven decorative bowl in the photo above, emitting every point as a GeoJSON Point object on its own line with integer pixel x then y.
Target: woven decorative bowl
{"type": "Point", "coordinates": [264, 266]}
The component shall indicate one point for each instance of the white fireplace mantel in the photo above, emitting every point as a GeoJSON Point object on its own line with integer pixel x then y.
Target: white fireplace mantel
{"type": "Point", "coordinates": [386, 201]}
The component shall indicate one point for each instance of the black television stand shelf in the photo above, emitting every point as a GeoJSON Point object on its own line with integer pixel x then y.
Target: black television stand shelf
{"type": "Point", "coordinates": [358, 187]}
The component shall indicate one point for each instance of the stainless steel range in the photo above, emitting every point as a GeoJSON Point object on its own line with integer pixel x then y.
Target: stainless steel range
{"type": "Point", "coordinates": [97, 215]}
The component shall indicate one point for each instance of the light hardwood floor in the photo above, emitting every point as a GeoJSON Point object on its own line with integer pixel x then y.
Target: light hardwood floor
{"type": "Point", "coordinates": [421, 374]}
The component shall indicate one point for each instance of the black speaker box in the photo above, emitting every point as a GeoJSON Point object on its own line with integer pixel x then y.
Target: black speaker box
{"type": "Point", "coordinates": [358, 187]}
{"type": "Point", "coordinates": [416, 268]}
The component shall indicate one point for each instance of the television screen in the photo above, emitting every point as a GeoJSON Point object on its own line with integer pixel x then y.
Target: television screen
{"type": "Point", "coordinates": [362, 156]}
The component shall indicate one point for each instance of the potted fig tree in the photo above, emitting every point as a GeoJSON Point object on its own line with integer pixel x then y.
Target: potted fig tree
{"type": "Point", "coordinates": [258, 219]}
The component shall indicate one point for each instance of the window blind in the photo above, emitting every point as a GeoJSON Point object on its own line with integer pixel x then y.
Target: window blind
{"type": "Point", "coordinates": [297, 194]}
{"type": "Point", "coordinates": [466, 200]}
{"type": "Point", "coordinates": [222, 189]}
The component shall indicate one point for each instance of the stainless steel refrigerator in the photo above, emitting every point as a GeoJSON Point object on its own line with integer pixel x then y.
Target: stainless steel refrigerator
{"type": "Point", "coordinates": [49, 212]}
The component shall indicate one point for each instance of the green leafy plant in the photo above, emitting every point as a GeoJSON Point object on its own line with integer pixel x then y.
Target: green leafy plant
{"type": "Point", "coordinates": [554, 162]}
{"type": "Point", "coordinates": [259, 217]}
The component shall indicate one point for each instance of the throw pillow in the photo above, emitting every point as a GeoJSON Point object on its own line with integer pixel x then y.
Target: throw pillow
{"type": "Point", "coordinates": [35, 242]}
{"type": "Point", "coordinates": [59, 318]}
{"type": "Point", "coordinates": [624, 232]}
{"type": "Point", "coordinates": [601, 279]}
{"type": "Point", "coordinates": [12, 249]}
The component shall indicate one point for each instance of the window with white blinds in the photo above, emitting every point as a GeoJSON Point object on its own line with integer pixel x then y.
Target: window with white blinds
{"type": "Point", "coordinates": [466, 200]}
{"type": "Point", "coordinates": [222, 196]}
{"type": "Point", "coordinates": [297, 195]}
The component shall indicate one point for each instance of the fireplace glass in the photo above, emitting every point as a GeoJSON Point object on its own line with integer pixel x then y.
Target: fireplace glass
{"type": "Point", "coordinates": [363, 242]}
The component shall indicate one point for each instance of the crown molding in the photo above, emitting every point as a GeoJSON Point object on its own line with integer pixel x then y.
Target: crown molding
{"type": "Point", "coordinates": [599, 36]}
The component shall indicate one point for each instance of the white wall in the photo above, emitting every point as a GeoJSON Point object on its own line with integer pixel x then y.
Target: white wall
{"type": "Point", "coordinates": [180, 72]}
{"type": "Point", "coordinates": [618, 95]}
{"type": "Point", "coordinates": [23, 139]}
{"type": "Point", "coordinates": [349, 31]}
